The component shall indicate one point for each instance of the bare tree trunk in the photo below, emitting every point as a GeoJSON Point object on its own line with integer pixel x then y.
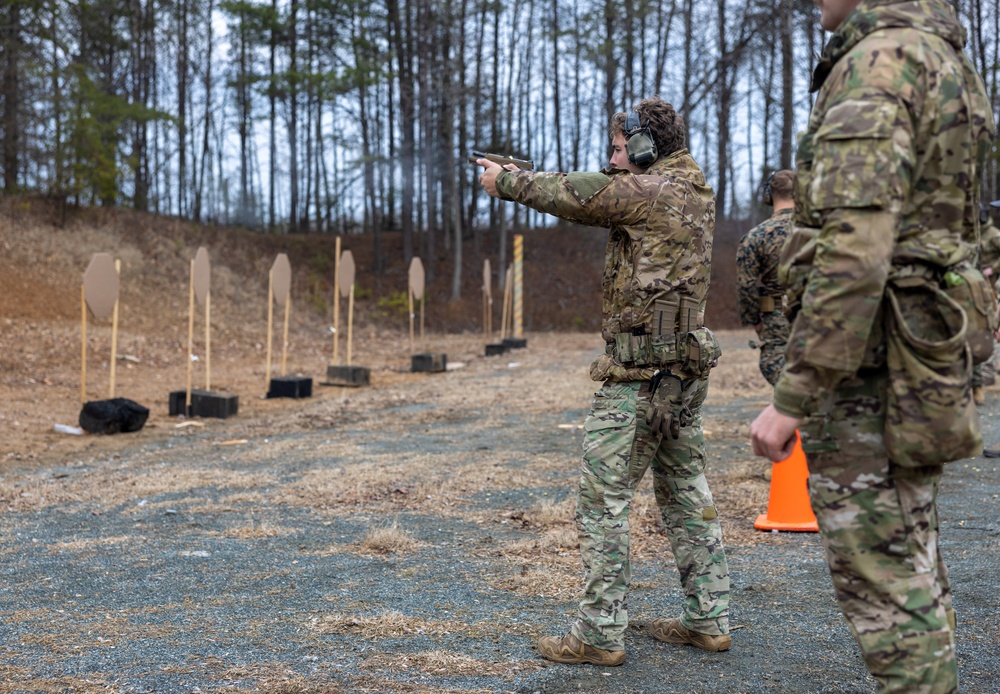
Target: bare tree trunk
{"type": "Point", "coordinates": [243, 123]}
{"type": "Point", "coordinates": [608, 59]}
{"type": "Point", "coordinates": [59, 185]}
{"type": "Point", "coordinates": [401, 35]}
{"type": "Point", "coordinates": [556, 100]}
{"type": "Point", "coordinates": [182, 100]}
{"type": "Point", "coordinates": [10, 91]}
{"type": "Point", "coordinates": [142, 62]}
{"type": "Point", "coordinates": [787, 97]}
{"type": "Point", "coordinates": [293, 117]}
{"type": "Point", "coordinates": [199, 189]}
{"type": "Point", "coordinates": [723, 108]}
{"type": "Point", "coordinates": [272, 98]}
{"type": "Point", "coordinates": [686, 107]}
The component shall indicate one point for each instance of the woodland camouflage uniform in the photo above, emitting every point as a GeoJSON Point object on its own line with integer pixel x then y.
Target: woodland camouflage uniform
{"type": "Point", "coordinates": [659, 252]}
{"type": "Point", "coordinates": [886, 219]}
{"type": "Point", "coordinates": [757, 278]}
{"type": "Point", "coordinates": [989, 257]}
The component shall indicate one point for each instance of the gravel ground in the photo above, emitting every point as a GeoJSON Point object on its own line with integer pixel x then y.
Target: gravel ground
{"type": "Point", "coordinates": [240, 556]}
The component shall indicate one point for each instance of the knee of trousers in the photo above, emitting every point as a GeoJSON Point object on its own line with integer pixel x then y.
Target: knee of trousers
{"type": "Point", "coordinates": [686, 495]}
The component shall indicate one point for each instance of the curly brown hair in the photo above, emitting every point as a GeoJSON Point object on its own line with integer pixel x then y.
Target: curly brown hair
{"type": "Point", "coordinates": [665, 124]}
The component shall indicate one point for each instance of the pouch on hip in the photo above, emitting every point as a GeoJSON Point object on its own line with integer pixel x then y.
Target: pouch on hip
{"type": "Point", "coordinates": [930, 416]}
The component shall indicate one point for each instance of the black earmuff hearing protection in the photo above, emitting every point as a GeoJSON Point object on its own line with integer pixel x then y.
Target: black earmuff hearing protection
{"type": "Point", "coordinates": [767, 196]}
{"type": "Point", "coordinates": [639, 143]}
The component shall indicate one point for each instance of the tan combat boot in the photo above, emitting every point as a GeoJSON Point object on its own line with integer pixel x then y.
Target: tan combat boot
{"type": "Point", "coordinates": [979, 395]}
{"type": "Point", "coordinates": [569, 649]}
{"type": "Point", "coordinates": [672, 631]}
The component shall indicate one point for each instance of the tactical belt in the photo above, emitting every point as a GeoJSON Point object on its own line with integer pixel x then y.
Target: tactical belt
{"type": "Point", "coordinates": [672, 319]}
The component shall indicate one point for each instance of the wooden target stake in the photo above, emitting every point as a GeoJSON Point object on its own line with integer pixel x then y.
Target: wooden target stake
{"type": "Point", "coordinates": [114, 336]}
{"type": "Point", "coordinates": [190, 366]}
{"type": "Point", "coordinates": [284, 341]}
{"type": "Point", "coordinates": [336, 302]}
{"type": "Point", "coordinates": [487, 300]}
{"type": "Point", "coordinates": [350, 323]}
{"type": "Point", "coordinates": [208, 341]}
{"type": "Point", "coordinates": [409, 294]}
{"type": "Point", "coordinates": [423, 298]}
{"type": "Point", "coordinates": [83, 344]}
{"type": "Point", "coordinates": [507, 296]}
{"type": "Point", "coordinates": [270, 324]}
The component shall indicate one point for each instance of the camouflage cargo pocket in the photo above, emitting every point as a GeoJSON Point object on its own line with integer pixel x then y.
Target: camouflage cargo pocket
{"type": "Point", "coordinates": [968, 287]}
{"type": "Point", "coordinates": [930, 417]}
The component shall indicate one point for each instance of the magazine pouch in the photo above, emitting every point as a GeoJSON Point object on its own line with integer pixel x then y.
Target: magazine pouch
{"type": "Point", "coordinates": [930, 416]}
{"type": "Point", "coordinates": [967, 286]}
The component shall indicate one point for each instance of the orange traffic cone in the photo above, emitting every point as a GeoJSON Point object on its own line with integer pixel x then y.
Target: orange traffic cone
{"type": "Point", "coordinates": [788, 501]}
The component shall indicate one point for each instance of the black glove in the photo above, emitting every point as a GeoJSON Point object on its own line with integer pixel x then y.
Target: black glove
{"type": "Point", "coordinates": [665, 404]}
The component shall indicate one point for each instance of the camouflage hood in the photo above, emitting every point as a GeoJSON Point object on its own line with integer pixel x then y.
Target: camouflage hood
{"type": "Point", "coordinates": [932, 16]}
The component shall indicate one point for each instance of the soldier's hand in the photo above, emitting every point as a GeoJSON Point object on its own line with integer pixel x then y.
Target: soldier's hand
{"type": "Point", "coordinates": [488, 178]}
{"type": "Point", "coordinates": [773, 434]}
{"type": "Point", "coordinates": [663, 413]}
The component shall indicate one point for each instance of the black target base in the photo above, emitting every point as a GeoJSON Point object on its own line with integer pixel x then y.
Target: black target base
{"type": "Point", "coordinates": [348, 376]}
{"type": "Point", "coordinates": [290, 387]}
{"type": "Point", "coordinates": [204, 403]}
{"type": "Point", "coordinates": [431, 362]}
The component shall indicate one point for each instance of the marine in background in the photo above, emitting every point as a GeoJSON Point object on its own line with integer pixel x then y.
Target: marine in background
{"type": "Point", "coordinates": [759, 294]}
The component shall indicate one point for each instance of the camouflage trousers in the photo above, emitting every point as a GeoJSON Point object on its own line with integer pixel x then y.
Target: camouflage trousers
{"type": "Point", "coordinates": [879, 525]}
{"type": "Point", "coordinates": [773, 334]}
{"type": "Point", "coordinates": [618, 448]}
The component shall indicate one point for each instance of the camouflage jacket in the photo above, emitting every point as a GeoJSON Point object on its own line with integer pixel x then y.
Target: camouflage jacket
{"type": "Point", "coordinates": [989, 250]}
{"type": "Point", "coordinates": [757, 265]}
{"type": "Point", "coordinates": [661, 224]}
{"type": "Point", "coordinates": [886, 177]}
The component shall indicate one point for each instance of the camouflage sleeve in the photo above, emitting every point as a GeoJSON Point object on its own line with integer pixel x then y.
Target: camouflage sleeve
{"type": "Point", "coordinates": [861, 172]}
{"type": "Point", "coordinates": [989, 244]}
{"type": "Point", "coordinates": [839, 307]}
{"type": "Point", "coordinates": [747, 271]}
{"type": "Point", "coordinates": [592, 198]}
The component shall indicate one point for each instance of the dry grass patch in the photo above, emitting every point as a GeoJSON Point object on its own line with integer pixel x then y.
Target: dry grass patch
{"type": "Point", "coordinates": [115, 487]}
{"type": "Point", "coordinates": [553, 513]}
{"type": "Point", "coordinates": [95, 684]}
{"type": "Point", "coordinates": [386, 624]}
{"type": "Point", "coordinates": [538, 581]}
{"type": "Point", "coordinates": [254, 530]}
{"type": "Point", "coordinates": [389, 539]}
{"type": "Point", "coordinates": [80, 545]}
{"type": "Point", "coordinates": [292, 685]}
{"type": "Point", "coordinates": [449, 664]}
{"type": "Point", "coordinates": [434, 483]}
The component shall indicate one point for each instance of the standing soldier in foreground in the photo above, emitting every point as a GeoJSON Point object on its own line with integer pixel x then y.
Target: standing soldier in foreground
{"type": "Point", "coordinates": [759, 293]}
{"type": "Point", "coordinates": [661, 215]}
{"type": "Point", "coordinates": [882, 263]}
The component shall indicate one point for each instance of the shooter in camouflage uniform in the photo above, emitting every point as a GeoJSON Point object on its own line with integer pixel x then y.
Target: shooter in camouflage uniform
{"type": "Point", "coordinates": [661, 216]}
{"type": "Point", "coordinates": [758, 290]}
{"type": "Point", "coordinates": [886, 207]}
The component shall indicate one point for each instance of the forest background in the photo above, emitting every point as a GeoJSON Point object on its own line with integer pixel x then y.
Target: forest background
{"type": "Point", "coordinates": [347, 117]}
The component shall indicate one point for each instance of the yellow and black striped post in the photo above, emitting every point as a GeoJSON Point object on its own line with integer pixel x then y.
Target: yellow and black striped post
{"type": "Point", "coordinates": [518, 286]}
